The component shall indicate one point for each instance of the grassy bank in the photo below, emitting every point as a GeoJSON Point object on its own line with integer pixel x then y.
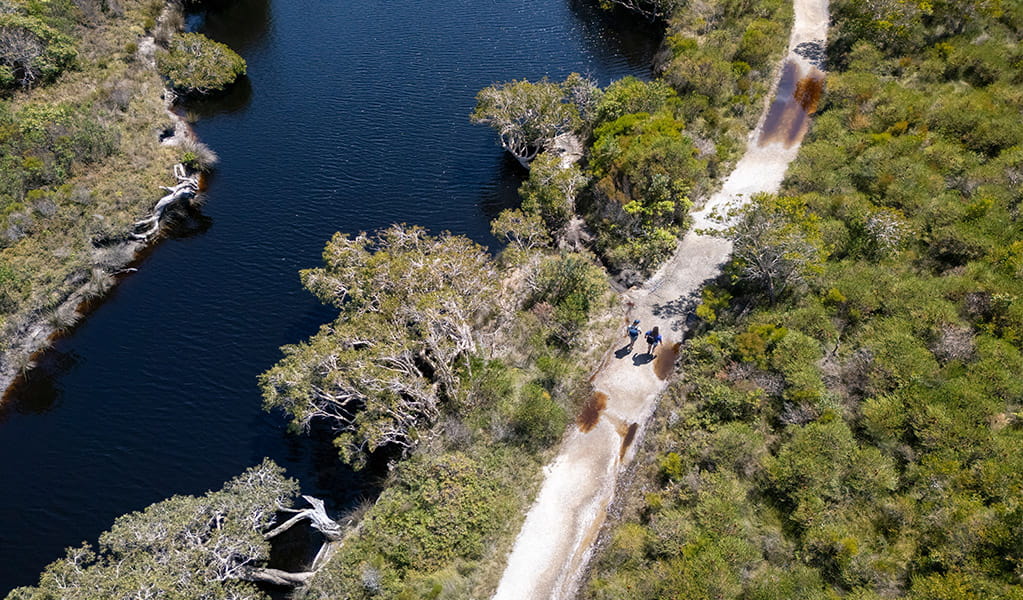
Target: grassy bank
{"type": "Point", "coordinates": [81, 161]}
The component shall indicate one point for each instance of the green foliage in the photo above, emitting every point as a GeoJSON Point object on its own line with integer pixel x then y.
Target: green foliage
{"type": "Point", "coordinates": [183, 547]}
{"type": "Point", "coordinates": [427, 529]}
{"type": "Point", "coordinates": [32, 51]}
{"type": "Point", "coordinates": [408, 306]}
{"type": "Point", "coordinates": [522, 231]}
{"type": "Point", "coordinates": [42, 146]}
{"type": "Point", "coordinates": [572, 286]}
{"type": "Point", "coordinates": [539, 420]}
{"type": "Point", "coordinates": [823, 463]}
{"type": "Point", "coordinates": [630, 95]}
{"type": "Point", "coordinates": [645, 168]}
{"type": "Point", "coordinates": [439, 510]}
{"type": "Point", "coordinates": [195, 64]}
{"type": "Point", "coordinates": [877, 461]}
{"type": "Point", "coordinates": [756, 47]}
{"type": "Point", "coordinates": [529, 117]}
{"type": "Point", "coordinates": [778, 244]}
{"type": "Point", "coordinates": [757, 343]}
{"type": "Point", "coordinates": [551, 191]}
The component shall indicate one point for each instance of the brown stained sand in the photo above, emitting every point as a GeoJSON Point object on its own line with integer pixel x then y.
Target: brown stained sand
{"type": "Point", "coordinates": [664, 362]}
{"type": "Point", "coordinates": [556, 540]}
{"type": "Point", "coordinates": [590, 414]}
{"type": "Point", "coordinates": [628, 435]}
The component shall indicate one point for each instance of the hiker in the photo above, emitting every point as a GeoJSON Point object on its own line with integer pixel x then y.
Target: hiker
{"type": "Point", "coordinates": [653, 337]}
{"type": "Point", "coordinates": [633, 333]}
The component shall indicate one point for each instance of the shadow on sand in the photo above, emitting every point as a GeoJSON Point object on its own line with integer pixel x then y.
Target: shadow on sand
{"type": "Point", "coordinates": [642, 359]}
{"type": "Point", "coordinates": [623, 351]}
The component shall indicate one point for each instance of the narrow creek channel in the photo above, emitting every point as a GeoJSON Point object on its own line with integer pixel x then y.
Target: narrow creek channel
{"type": "Point", "coordinates": [355, 115]}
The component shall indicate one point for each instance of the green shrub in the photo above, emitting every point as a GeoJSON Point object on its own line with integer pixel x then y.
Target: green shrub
{"type": "Point", "coordinates": [573, 285]}
{"type": "Point", "coordinates": [539, 420]}
{"type": "Point", "coordinates": [195, 64]}
{"type": "Point", "coordinates": [36, 52]}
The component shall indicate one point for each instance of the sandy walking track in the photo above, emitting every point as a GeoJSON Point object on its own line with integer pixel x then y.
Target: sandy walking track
{"type": "Point", "coordinates": [555, 543]}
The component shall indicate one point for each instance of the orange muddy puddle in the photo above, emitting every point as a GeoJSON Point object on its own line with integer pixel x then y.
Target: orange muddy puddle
{"type": "Point", "coordinates": [588, 418]}
{"type": "Point", "coordinates": [797, 98]}
{"type": "Point", "coordinates": [664, 362]}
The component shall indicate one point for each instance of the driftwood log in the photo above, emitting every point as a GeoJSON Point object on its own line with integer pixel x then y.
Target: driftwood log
{"type": "Point", "coordinates": [318, 519]}
{"type": "Point", "coordinates": [186, 189]}
{"type": "Point", "coordinates": [277, 577]}
{"type": "Point", "coordinates": [317, 516]}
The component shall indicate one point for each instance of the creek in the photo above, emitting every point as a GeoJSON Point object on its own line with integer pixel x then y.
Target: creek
{"type": "Point", "coordinates": [354, 116]}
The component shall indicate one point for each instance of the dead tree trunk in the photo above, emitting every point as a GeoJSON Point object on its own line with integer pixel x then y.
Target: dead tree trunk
{"type": "Point", "coordinates": [186, 189]}
{"type": "Point", "coordinates": [317, 516]}
{"type": "Point", "coordinates": [277, 577]}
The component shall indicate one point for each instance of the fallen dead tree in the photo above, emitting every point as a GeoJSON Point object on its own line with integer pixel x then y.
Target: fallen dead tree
{"type": "Point", "coordinates": [318, 519]}
{"type": "Point", "coordinates": [185, 190]}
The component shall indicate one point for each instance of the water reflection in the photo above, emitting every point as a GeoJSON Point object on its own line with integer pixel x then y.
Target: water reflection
{"type": "Point", "coordinates": [241, 24]}
{"type": "Point", "coordinates": [236, 98]}
{"type": "Point", "coordinates": [796, 99]}
{"type": "Point", "coordinates": [503, 191]}
{"type": "Point", "coordinates": [38, 392]}
{"type": "Point", "coordinates": [618, 33]}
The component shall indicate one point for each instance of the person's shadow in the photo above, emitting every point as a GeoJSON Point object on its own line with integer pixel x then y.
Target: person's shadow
{"type": "Point", "coordinates": [623, 351]}
{"type": "Point", "coordinates": [642, 359]}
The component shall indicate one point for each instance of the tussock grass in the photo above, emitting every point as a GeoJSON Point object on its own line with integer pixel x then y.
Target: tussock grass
{"type": "Point", "coordinates": [64, 217]}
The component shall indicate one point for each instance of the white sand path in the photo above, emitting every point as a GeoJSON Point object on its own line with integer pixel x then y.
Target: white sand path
{"type": "Point", "coordinates": [550, 554]}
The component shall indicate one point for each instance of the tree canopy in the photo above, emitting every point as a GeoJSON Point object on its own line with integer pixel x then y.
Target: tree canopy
{"type": "Point", "coordinates": [530, 116]}
{"type": "Point", "coordinates": [409, 304]}
{"type": "Point", "coordinates": [777, 244]}
{"type": "Point", "coordinates": [186, 547]}
{"type": "Point", "coordinates": [195, 64]}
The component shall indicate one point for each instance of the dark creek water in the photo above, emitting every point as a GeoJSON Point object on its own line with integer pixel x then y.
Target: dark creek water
{"type": "Point", "coordinates": [354, 116]}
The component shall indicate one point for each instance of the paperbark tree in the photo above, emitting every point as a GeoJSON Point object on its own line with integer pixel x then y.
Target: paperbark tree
{"type": "Point", "coordinates": [652, 9]}
{"type": "Point", "coordinates": [529, 116]}
{"type": "Point", "coordinates": [184, 191]}
{"type": "Point", "coordinates": [195, 64]}
{"type": "Point", "coordinates": [409, 305]}
{"type": "Point", "coordinates": [777, 243]}
{"type": "Point", "coordinates": [204, 548]}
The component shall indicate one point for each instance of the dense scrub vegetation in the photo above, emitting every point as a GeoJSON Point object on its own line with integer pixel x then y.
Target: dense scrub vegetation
{"type": "Point", "coordinates": [855, 432]}
{"type": "Point", "coordinates": [467, 365]}
{"type": "Point", "coordinates": [653, 147]}
{"type": "Point", "coordinates": [659, 147]}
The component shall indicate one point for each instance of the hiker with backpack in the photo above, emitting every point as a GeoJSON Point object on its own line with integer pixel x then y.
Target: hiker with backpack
{"type": "Point", "coordinates": [633, 332]}
{"type": "Point", "coordinates": [653, 338]}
